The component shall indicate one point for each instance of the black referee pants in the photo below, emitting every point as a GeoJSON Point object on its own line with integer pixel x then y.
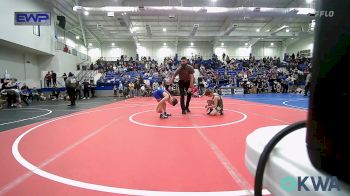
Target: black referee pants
{"type": "Point", "coordinates": [183, 86]}
{"type": "Point", "coordinates": [71, 94]}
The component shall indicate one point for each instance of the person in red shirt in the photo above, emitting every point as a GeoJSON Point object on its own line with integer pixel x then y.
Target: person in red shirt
{"type": "Point", "coordinates": [65, 49]}
{"type": "Point", "coordinates": [48, 78]}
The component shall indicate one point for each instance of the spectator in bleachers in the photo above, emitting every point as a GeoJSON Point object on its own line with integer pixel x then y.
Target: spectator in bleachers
{"type": "Point", "coordinates": [120, 89]}
{"type": "Point", "coordinates": [284, 84]}
{"type": "Point", "coordinates": [131, 89]}
{"type": "Point", "coordinates": [115, 90]}
{"type": "Point", "coordinates": [143, 90]}
{"type": "Point", "coordinates": [228, 59]}
{"type": "Point", "coordinates": [195, 91]}
{"type": "Point", "coordinates": [269, 68]}
{"type": "Point", "coordinates": [137, 88]}
{"type": "Point", "coordinates": [78, 90]}
{"type": "Point", "coordinates": [155, 85]}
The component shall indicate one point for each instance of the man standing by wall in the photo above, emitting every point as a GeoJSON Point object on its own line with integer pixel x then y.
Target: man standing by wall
{"type": "Point", "coordinates": [54, 78]}
{"type": "Point", "coordinates": [186, 81]}
{"type": "Point", "coordinates": [48, 79]}
{"type": "Point", "coordinates": [71, 84]}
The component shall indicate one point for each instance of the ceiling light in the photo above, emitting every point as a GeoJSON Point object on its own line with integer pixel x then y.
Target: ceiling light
{"type": "Point", "coordinates": [138, 44]}
{"type": "Point", "coordinates": [309, 1]}
{"type": "Point", "coordinates": [164, 29]}
{"type": "Point", "coordinates": [292, 38]}
{"type": "Point", "coordinates": [246, 44]}
{"type": "Point", "coordinates": [271, 44]}
{"type": "Point", "coordinates": [113, 44]}
{"type": "Point", "coordinates": [191, 43]}
{"type": "Point", "coordinates": [257, 30]}
{"type": "Point", "coordinates": [222, 44]}
{"type": "Point", "coordinates": [213, 0]}
{"type": "Point", "coordinates": [90, 44]}
{"type": "Point", "coordinates": [77, 37]}
{"type": "Point", "coordinates": [110, 14]}
{"type": "Point", "coordinates": [86, 13]}
{"type": "Point", "coordinates": [164, 44]}
{"type": "Point", "coordinates": [268, 30]}
{"type": "Point", "coordinates": [76, 8]}
{"type": "Point", "coordinates": [287, 30]}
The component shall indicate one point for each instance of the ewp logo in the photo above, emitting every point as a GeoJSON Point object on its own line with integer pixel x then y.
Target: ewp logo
{"type": "Point", "coordinates": [318, 184]}
{"type": "Point", "coordinates": [33, 18]}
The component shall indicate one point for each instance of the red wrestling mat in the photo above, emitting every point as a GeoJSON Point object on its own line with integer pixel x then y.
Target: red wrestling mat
{"type": "Point", "coordinates": [125, 148]}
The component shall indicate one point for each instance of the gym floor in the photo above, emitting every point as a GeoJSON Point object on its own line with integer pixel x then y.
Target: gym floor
{"type": "Point", "coordinates": [106, 146]}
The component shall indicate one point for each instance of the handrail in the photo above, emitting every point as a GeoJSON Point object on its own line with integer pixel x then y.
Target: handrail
{"type": "Point", "coordinates": [59, 46]}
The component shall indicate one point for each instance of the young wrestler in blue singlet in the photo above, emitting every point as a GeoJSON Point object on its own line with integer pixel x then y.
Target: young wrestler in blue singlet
{"type": "Point", "coordinates": [163, 96]}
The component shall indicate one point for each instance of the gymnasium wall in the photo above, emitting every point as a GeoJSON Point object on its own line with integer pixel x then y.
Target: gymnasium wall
{"type": "Point", "coordinates": [120, 48]}
{"type": "Point", "coordinates": [60, 63]}
{"type": "Point", "coordinates": [264, 49]}
{"type": "Point", "coordinates": [29, 67]}
{"type": "Point", "coordinates": [20, 65]}
{"type": "Point", "coordinates": [94, 53]}
{"type": "Point", "coordinates": [205, 49]}
{"type": "Point", "coordinates": [301, 44]}
{"type": "Point", "coordinates": [158, 51]}
{"type": "Point", "coordinates": [233, 50]}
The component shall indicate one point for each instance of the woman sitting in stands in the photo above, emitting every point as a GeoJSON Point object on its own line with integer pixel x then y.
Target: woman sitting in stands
{"type": "Point", "coordinates": [214, 105]}
{"type": "Point", "coordinates": [195, 91]}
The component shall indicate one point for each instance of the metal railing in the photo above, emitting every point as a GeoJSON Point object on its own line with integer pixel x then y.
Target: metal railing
{"type": "Point", "coordinates": [71, 50]}
{"type": "Point", "coordinates": [86, 75]}
{"type": "Point", "coordinates": [60, 83]}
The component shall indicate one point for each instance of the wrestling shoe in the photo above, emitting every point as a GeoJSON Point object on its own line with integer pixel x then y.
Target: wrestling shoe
{"type": "Point", "coordinates": [162, 116]}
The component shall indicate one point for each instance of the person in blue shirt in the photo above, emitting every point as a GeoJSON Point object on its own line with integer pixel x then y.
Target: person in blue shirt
{"type": "Point", "coordinates": [163, 96]}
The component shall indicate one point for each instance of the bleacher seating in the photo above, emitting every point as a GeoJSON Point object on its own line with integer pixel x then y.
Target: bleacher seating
{"type": "Point", "coordinates": [137, 70]}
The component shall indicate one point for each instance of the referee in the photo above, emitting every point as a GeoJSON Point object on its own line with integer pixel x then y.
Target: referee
{"type": "Point", "coordinates": [71, 85]}
{"type": "Point", "coordinates": [185, 73]}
